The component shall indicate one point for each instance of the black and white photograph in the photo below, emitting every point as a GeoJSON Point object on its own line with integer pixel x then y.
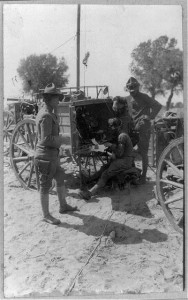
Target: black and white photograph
{"type": "Point", "coordinates": [94, 120]}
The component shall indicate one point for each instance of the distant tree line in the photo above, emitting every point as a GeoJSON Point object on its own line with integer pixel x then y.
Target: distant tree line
{"type": "Point", "coordinates": [158, 65]}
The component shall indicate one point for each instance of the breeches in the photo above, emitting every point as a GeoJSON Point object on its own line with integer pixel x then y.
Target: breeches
{"type": "Point", "coordinates": [115, 168]}
{"type": "Point", "coordinates": [49, 170]}
{"type": "Point", "coordinates": [144, 128]}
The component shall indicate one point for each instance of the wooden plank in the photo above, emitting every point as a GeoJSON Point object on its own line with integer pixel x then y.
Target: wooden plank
{"type": "Point", "coordinates": [90, 101]}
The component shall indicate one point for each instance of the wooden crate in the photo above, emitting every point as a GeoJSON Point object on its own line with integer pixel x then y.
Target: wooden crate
{"type": "Point", "coordinates": [100, 108]}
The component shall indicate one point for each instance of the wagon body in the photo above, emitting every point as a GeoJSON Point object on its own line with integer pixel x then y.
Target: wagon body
{"type": "Point", "coordinates": [17, 110]}
{"type": "Point", "coordinates": [166, 147]}
{"type": "Point", "coordinates": [166, 130]}
{"type": "Point", "coordinates": [97, 111]}
{"type": "Point", "coordinates": [100, 109]}
{"type": "Point", "coordinates": [15, 106]}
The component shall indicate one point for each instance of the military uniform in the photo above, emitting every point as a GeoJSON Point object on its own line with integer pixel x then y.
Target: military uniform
{"type": "Point", "coordinates": [142, 109]}
{"type": "Point", "coordinates": [121, 111]}
{"type": "Point", "coordinates": [47, 154]}
{"type": "Point", "coordinates": [47, 148]}
{"type": "Point", "coordinates": [123, 160]}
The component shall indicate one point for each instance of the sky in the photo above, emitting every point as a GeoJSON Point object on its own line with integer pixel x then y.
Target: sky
{"type": "Point", "coordinates": [108, 32]}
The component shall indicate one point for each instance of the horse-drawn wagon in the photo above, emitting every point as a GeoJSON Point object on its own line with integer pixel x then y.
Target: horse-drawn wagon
{"type": "Point", "coordinates": [82, 118]}
{"type": "Point", "coordinates": [17, 109]}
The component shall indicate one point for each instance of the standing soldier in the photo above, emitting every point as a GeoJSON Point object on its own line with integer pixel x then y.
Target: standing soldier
{"type": "Point", "coordinates": [47, 154]}
{"type": "Point", "coordinates": [143, 109]}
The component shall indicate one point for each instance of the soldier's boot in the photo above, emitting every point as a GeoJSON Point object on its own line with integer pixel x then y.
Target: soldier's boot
{"type": "Point", "coordinates": [87, 194]}
{"type": "Point", "coordinates": [144, 169]}
{"type": "Point", "coordinates": [64, 207]}
{"type": "Point", "coordinates": [47, 217]}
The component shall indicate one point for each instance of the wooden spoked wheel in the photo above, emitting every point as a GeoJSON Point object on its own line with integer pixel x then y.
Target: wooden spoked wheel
{"type": "Point", "coordinates": [170, 183]}
{"type": "Point", "coordinates": [90, 163]}
{"type": "Point", "coordinates": [22, 149]}
{"type": "Point", "coordinates": [8, 125]}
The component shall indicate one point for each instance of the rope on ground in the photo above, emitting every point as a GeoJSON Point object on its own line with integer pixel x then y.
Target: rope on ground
{"type": "Point", "coordinates": [89, 258]}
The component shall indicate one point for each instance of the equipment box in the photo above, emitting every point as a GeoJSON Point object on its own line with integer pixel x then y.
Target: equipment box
{"type": "Point", "coordinates": [82, 120]}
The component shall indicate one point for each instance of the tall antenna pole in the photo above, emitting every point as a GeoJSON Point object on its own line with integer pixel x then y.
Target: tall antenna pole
{"type": "Point", "coordinates": [78, 47]}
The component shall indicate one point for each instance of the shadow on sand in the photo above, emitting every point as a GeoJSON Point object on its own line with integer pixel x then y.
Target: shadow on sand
{"type": "Point", "coordinates": [94, 226]}
{"type": "Point", "coordinates": [132, 201]}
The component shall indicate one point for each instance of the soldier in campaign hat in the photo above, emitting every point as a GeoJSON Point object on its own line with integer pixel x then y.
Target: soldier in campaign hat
{"type": "Point", "coordinates": [142, 109]}
{"type": "Point", "coordinates": [47, 154]}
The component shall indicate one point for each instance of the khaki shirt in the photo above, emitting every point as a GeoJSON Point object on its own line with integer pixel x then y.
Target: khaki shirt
{"type": "Point", "coordinates": [49, 140]}
{"type": "Point", "coordinates": [142, 105]}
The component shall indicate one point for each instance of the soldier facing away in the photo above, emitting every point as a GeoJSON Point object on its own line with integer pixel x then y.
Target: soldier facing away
{"type": "Point", "coordinates": [142, 109]}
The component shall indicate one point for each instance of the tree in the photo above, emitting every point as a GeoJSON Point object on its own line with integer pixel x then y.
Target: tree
{"type": "Point", "coordinates": [179, 105]}
{"type": "Point", "coordinates": [38, 71]}
{"type": "Point", "coordinates": [158, 65]}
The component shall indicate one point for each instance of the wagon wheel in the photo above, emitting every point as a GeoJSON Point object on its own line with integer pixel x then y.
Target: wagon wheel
{"type": "Point", "coordinates": [8, 126]}
{"type": "Point", "coordinates": [170, 183]}
{"type": "Point", "coordinates": [22, 153]}
{"type": "Point", "coordinates": [90, 163]}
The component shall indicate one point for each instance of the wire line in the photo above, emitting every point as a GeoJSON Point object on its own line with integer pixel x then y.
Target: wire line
{"type": "Point", "coordinates": [63, 43]}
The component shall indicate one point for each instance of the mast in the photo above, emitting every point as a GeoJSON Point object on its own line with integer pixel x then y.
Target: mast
{"type": "Point", "coordinates": [78, 47]}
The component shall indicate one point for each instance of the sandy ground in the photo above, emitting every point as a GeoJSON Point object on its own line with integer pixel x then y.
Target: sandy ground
{"type": "Point", "coordinates": [81, 256]}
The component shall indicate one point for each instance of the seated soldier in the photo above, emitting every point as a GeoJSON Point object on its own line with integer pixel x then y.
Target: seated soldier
{"type": "Point", "coordinates": [121, 159]}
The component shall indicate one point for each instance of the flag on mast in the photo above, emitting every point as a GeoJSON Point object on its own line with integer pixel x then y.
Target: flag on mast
{"type": "Point", "coordinates": [86, 58]}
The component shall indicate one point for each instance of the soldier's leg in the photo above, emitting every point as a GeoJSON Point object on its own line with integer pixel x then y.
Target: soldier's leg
{"type": "Point", "coordinates": [45, 177]}
{"type": "Point", "coordinates": [113, 170]}
{"type": "Point", "coordinates": [101, 183]}
{"type": "Point", "coordinates": [61, 191]}
{"type": "Point", "coordinates": [144, 155]}
{"type": "Point", "coordinates": [98, 174]}
{"type": "Point", "coordinates": [143, 146]}
{"type": "Point", "coordinates": [115, 167]}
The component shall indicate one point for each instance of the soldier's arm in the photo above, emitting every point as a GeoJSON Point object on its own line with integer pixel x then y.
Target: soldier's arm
{"type": "Point", "coordinates": [155, 107]}
{"type": "Point", "coordinates": [47, 139]}
{"type": "Point", "coordinates": [118, 150]}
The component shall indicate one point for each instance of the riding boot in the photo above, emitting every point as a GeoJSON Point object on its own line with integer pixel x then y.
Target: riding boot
{"type": "Point", "coordinates": [64, 207]}
{"type": "Point", "coordinates": [87, 194]}
{"type": "Point", "coordinates": [44, 198]}
{"type": "Point", "coordinates": [144, 168]}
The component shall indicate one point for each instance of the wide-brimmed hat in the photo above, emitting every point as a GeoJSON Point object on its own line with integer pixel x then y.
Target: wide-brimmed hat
{"type": "Point", "coordinates": [50, 89]}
